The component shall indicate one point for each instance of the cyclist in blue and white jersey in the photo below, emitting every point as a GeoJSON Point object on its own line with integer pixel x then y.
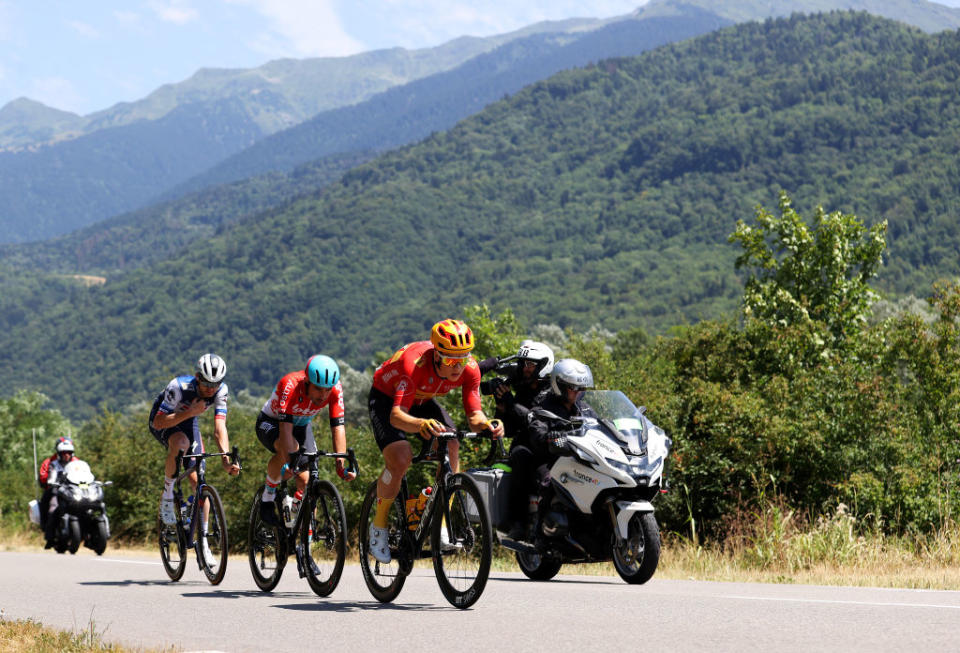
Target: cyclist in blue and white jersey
{"type": "Point", "coordinates": [173, 422]}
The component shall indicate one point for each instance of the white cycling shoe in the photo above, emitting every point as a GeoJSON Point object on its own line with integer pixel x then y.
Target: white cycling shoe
{"type": "Point", "coordinates": [168, 514]}
{"type": "Point", "coordinates": [378, 544]}
{"type": "Point", "coordinates": [208, 556]}
{"type": "Point", "coordinates": [445, 543]}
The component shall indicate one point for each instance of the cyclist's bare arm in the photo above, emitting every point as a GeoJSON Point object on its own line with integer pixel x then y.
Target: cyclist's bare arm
{"type": "Point", "coordinates": [223, 442]}
{"type": "Point", "coordinates": [401, 419]}
{"type": "Point", "coordinates": [479, 422]}
{"type": "Point", "coordinates": [339, 434]}
{"type": "Point", "coordinates": [166, 420]}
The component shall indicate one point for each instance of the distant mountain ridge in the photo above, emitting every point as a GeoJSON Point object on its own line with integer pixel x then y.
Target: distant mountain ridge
{"type": "Point", "coordinates": [298, 88]}
{"type": "Point", "coordinates": [407, 113]}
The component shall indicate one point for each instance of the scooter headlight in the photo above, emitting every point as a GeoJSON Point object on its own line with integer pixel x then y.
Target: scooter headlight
{"type": "Point", "coordinates": [636, 467]}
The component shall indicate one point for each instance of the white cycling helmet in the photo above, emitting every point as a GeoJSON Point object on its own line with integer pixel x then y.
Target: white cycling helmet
{"type": "Point", "coordinates": [211, 368]}
{"type": "Point", "coordinates": [537, 351]}
{"type": "Point", "coordinates": [569, 372]}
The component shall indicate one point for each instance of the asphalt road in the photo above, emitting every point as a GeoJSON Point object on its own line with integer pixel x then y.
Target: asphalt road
{"type": "Point", "coordinates": [130, 600]}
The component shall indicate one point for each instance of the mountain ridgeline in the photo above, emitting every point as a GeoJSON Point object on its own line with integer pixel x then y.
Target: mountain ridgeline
{"type": "Point", "coordinates": [604, 194]}
{"type": "Point", "coordinates": [60, 172]}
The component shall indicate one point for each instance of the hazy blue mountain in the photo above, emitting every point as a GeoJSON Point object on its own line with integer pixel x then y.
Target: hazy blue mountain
{"type": "Point", "coordinates": [413, 111]}
{"type": "Point", "coordinates": [120, 159]}
{"type": "Point", "coordinates": [133, 154]}
{"type": "Point", "coordinates": [24, 122]}
{"type": "Point", "coordinates": [390, 119]}
{"type": "Point", "coordinates": [279, 93]}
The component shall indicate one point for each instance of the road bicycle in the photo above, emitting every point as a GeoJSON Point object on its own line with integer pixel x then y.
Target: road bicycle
{"type": "Point", "coordinates": [455, 520]}
{"type": "Point", "coordinates": [317, 537]}
{"type": "Point", "coordinates": [201, 524]}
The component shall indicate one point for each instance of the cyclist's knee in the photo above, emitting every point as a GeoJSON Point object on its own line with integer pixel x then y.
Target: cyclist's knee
{"type": "Point", "coordinates": [177, 443]}
{"type": "Point", "coordinates": [398, 457]}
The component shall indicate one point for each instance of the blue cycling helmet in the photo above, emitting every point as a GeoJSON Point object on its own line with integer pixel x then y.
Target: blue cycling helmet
{"type": "Point", "coordinates": [322, 371]}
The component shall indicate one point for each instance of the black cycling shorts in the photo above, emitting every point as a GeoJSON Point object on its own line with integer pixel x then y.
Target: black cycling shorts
{"type": "Point", "coordinates": [190, 429]}
{"type": "Point", "coordinates": [380, 406]}
{"type": "Point", "coordinates": [268, 430]}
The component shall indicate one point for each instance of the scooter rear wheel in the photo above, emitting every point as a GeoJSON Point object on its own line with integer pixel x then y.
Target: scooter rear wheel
{"type": "Point", "coordinates": [538, 567]}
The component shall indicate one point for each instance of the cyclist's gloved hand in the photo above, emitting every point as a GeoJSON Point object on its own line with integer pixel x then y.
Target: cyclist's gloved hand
{"type": "Point", "coordinates": [430, 427]}
{"type": "Point", "coordinates": [495, 427]}
{"type": "Point", "coordinates": [342, 471]}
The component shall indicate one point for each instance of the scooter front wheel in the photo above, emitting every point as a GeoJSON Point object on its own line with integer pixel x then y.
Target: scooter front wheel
{"type": "Point", "coordinates": [637, 557]}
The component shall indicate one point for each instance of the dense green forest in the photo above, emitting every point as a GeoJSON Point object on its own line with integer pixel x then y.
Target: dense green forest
{"type": "Point", "coordinates": [603, 195]}
{"type": "Point", "coordinates": [804, 401]}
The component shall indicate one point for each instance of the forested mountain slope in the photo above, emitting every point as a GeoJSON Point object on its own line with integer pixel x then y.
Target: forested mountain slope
{"type": "Point", "coordinates": [600, 195]}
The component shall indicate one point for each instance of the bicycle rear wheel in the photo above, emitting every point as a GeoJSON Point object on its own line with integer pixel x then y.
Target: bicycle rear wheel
{"type": "Point", "coordinates": [173, 548]}
{"type": "Point", "coordinates": [462, 558]}
{"type": "Point", "coordinates": [384, 580]}
{"type": "Point", "coordinates": [213, 556]}
{"type": "Point", "coordinates": [266, 549]}
{"type": "Point", "coordinates": [323, 539]}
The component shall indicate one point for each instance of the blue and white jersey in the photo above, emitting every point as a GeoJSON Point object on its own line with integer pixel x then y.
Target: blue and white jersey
{"type": "Point", "coordinates": [181, 391]}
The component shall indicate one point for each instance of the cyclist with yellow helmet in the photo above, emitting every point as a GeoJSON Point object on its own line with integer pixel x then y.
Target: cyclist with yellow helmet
{"type": "Point", "coordinates": [402, 402]}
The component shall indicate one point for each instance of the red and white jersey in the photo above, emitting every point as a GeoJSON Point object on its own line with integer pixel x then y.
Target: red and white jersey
{"type": "Point", "coordinates": [291, 403]}
{"type": "Point", "coordinates": [410, 378]}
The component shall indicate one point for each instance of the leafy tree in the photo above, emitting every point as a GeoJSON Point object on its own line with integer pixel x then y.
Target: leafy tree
{"type": "Point", "coordinates": [811, 278]}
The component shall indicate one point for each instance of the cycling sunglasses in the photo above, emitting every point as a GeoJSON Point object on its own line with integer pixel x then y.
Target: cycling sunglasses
{"type": "Point", "coordinates": [208, 385]}
{"type": "Point", "coordinates": [453, 361]}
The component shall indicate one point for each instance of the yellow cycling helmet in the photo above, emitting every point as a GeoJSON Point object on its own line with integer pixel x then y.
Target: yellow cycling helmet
{"type": "Point", "coordinates": [452, 338]}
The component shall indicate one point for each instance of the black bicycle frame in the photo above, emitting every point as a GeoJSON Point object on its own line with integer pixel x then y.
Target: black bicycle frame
{"type": "Point", "coordinates": [438, 489]}
{"type": "Point", "coordinates": [308, 495]}
{"type": "Point", "coordinates": [200, 469]}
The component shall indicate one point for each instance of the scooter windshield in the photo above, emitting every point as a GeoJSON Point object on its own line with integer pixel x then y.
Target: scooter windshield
{"type": "Point", "coordinates": [78, 472]}
{"type": "Point", "coordinates": [613, 407]}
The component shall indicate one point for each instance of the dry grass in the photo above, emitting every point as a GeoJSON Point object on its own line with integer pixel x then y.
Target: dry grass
{"type": "Point", "coordinates": [21, 636]}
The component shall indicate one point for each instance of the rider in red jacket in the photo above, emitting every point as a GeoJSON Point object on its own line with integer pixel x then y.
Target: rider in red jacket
{"type": "Point", "coordinates": [50, 470]}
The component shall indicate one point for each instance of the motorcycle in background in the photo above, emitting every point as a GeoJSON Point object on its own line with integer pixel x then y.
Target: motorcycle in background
{"type": "Point", "coordinates": [83, 513]}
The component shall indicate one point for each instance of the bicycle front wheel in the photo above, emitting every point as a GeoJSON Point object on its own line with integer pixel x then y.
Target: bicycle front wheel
{"type": "Point", "coordinates": [214, 544]}
{"type": "Point", "coordinates": [462, 543]}
{"type": "Point", "coordinates": [266, 550]}
{"type": "Point", "coordinates": [323, 539]}
{"type": "Point", "coordinates": [173, 548]}
{"type": "Point", "coordinates": [384, 580]}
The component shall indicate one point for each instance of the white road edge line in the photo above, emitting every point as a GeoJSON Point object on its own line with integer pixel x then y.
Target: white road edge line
{"type": "Point", "coordinates": [834, 601]}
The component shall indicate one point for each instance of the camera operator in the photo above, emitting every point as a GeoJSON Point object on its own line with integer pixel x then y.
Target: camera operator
{"type": "Point", "coordinates": [519, 380]}
{"type": "Point", "coordinates": [524, 383]}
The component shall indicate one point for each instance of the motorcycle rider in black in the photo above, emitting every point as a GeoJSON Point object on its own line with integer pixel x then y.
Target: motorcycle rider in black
{"type": "Point", "coordinates": [538, 445]}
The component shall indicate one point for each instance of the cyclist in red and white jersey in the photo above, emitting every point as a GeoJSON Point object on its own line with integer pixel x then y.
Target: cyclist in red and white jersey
{"type": "Point", "coordinates": [284, 426]}
{"type": "Point", "coordinates": [402, 402]}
